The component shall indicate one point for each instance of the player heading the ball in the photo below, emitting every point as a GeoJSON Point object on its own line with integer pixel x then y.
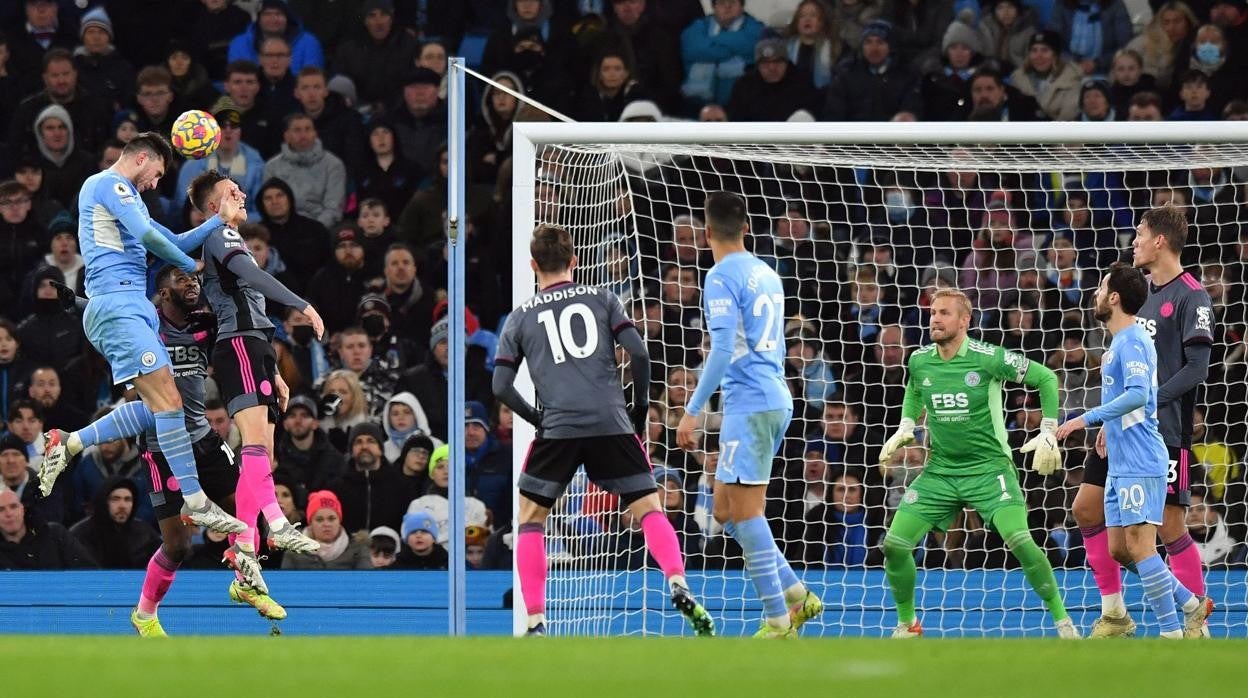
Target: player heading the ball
{"type": "Point", "coordinates": [567, 333]}
{"type": "Point", "coordinates": [957, 381]}
{"type": "Point", "coordinates": [1135, 489]}
{"type": "Point", "coordinates": [115, 233]}
{"type": "Point", "coordinates": [744, 309]}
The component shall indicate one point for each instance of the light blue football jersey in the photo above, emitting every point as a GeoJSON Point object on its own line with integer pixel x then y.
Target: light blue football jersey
{"type": "Point", "coordinates": [745, 296]}
{"type": "Point", "coordinates": [1133, 439]}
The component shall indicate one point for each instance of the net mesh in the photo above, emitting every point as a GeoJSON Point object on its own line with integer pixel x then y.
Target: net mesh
{"type": "Point", "coordinates": [862, 235]}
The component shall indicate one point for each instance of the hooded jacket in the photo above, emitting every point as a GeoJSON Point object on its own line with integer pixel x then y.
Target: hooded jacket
{"type": "Point", "coordinates": [491, 134]}
{"type": "Point", "coordinates": [395, 439]}
{"type": "Point", "coordinates": [317, 177]}
{"type": "Point", "coordinates": [305, 49]}
{"type": "Point", "coordinates": [91, 472]}
{"type": "Point", "coordinates": [116, 546]}
{"type": "Point", "coordinates": [63, 173]}
{"type": "Point", "coordinates": [304, 242]}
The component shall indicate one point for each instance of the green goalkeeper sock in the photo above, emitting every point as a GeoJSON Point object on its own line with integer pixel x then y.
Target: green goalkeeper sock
{"type": "Point", "coordinates": [899, 544]}
{"type": "Point", "coordinates": [1011, 523]}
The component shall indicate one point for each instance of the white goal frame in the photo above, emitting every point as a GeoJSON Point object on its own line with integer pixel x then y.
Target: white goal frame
{"type": "Point", "coordinates": [528, 137]}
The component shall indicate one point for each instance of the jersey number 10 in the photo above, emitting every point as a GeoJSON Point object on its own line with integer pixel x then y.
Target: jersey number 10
{"type": "Point", "coordinates": [769, 307]}
{"type": "Point", "coordinates": [560, 336]}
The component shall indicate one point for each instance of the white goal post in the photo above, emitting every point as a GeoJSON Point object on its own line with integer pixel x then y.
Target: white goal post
{"type": "Point", "coordinates": [620, 188]}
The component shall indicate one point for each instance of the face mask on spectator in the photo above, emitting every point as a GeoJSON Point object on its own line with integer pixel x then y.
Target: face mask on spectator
{"type": "Point", "coordinates": [1208, 52]}
{"type": "Point", "coordinates": [374, 325]}
{"type": "Point", "coordinates": [302, 334]}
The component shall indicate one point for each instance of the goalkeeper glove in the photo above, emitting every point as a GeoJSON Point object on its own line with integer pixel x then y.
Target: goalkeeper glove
{"type": "Point", "coordinates": [903, 436]}
{"type": "Point", "coordinates": [1048, 458]}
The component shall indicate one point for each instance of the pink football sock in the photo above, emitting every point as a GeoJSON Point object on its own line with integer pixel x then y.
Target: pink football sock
{"type": "Point", "coordinates": [531, 564]}
{"type": "Point", "coordinates": [1184, 560]}
{"type": "Point", "coordinates": [1105, 569]}
{"type": "Point", "coordinates": [160, 572]}
{"type": "Point", "coordinates": [662, 544]}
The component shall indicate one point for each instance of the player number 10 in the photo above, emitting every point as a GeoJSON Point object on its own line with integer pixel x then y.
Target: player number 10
{"type": "Point", "coordinates": [770, 307]}
{"type": "Point", "coordinates": [562, 342]}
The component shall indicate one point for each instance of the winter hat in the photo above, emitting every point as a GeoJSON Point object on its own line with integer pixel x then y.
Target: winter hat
{"type": "Point", "coordinates": [323, 499]}
{"type": "Point", "coordinates": [96, 17]}
{"type": "Point", "coordinates": [386, 6]}
{"type": "Point", "coordinates": [422, 76]}
{"type": "Point", "coordinates": [123, 116]}
{"type": "Point", "coordinates": [642, 109]}
{"type": "Point", "coordinates": [475, 413]}
{"type": "Point", "coordinates": [961, 31]}
{"type": "Point", "coordinates": [344, 87]}
{"type": "Point", "coordinates": [13, 442]}
{"type": "Point", "coordinates": [419, 521]}
{"type": "Point", "coordinates": [438, 334]}
{"type": "Point", "coordinates": [417, 439]}
{"type": "Point", "coordinates": [303, 402]}
{"type": "Point", "coordinates": [1098, 85]}
{"type": "Point", "coordinates": [439, 454]}
{"type": "Point", "coordinates": [388, 533]}
{"type": "Point", "coordinates": [1048, 38]}
{"type": "Point", "coordinates": [372, 303]}
{"type": "Point", "coordinates": [878, 28]}
{"type": "Point", "coordinates": [770, 49]}
{"type": "Point", "coordinates": [366, 429]}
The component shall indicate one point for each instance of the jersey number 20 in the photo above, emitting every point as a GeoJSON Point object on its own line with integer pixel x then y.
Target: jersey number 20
{"type": "Point", "coordinates": [769, 307]}
{"type": "Point", "coordinates": [559, 334]}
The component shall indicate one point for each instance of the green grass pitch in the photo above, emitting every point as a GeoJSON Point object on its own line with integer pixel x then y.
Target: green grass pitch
{"type": "Point", "coordinates": [347, 667]}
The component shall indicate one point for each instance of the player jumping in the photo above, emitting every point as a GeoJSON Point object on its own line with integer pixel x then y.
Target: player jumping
{"type": "Point", "coordinates": [245, 367]}
{"type": "Point", "coordinates": [567, 334]}
{"type": "Point", "coordinates": [957, 381]}
{"type": "Point", "coordinates": [1135, 488]}
{"type": "Point", "coordinates": [744, 306]}
{"type": "Point", "coordinates": [1178, 316]}
{"type": "Point", "coordinates": [115, 233]}
{"type": "Point", "coordinates": [179, 295]}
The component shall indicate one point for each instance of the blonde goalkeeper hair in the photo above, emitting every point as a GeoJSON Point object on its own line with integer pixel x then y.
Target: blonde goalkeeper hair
{"type": "Point", "coordinates": [964, 303]}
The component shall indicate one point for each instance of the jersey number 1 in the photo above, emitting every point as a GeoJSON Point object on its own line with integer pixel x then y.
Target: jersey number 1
{"type": "Point", "coordinates": [770, 307]}
{"type": "Point", "coordinates": [560, 336]}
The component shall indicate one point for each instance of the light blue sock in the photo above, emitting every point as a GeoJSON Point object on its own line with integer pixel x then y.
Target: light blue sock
{"type": "Point", "coordinates": [788, 577]}
{"type": "Point", "coordinates": [127, 420]}
{"type": "Point", "coordinates": [175, 444]}
{"type": "Point", "coordinates": [1182, 595]}
{"type": "Point", "coordinates": [1159, 590]}
{"type": "Point", "coordinates": [760, 561]}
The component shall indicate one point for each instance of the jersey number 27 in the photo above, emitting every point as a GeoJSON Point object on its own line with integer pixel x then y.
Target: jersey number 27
{"type": "Point", "coordinates": [559, 334]}
{"type": "Point", "coordinates": [769, 308]}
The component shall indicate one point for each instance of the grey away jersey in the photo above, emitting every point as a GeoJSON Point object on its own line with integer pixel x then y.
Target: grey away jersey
{"type": "Point", "coordinates": [1175, 315]}
{"type": "Point", "coordinates": [566, 333]}
{"type": "Point", "coordinates": [188, 359]}
{"type": "Point", "coordinates": [239, 307]}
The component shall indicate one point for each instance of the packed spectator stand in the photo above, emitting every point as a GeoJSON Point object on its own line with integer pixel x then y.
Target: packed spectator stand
{"type": "Point", "coordinates": [334, 123]}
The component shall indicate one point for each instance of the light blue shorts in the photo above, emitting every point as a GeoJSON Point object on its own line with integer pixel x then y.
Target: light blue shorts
{"type": "Point", "coordinates": [1134, 500]}
{"type": "Point", "coordinates": [748, 444]}
{"type": "Point", "coordinates": [124, 328]}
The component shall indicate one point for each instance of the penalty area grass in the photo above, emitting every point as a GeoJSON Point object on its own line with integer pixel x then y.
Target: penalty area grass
{"type": "Point", "coordinates": [347, 667]}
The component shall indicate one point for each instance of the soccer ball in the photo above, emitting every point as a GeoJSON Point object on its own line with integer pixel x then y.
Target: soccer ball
{"type": "Point", "coordinates": [196, 134]}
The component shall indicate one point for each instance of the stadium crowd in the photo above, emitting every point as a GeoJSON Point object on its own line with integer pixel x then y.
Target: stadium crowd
{"type": "Point", "coordinates": [334, 120]}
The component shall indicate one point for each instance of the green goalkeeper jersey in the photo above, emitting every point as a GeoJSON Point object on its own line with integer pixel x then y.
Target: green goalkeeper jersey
{"type": "Point", "coordinates": [963, 401]}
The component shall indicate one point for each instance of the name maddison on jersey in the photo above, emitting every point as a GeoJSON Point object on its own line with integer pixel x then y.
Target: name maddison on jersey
{"type": "Point", "coordinates": [552, 296]}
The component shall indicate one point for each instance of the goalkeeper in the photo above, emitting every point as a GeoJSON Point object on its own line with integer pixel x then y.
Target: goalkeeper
{"type": "Point", "coordinates": [957, 381]}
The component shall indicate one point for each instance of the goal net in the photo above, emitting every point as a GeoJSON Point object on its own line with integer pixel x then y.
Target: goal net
{"type": "Point", "coordinates": [864, 223]}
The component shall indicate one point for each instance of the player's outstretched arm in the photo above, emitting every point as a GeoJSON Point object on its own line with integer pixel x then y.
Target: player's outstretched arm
{"type": "Point", "coordinates": [245, 268]}
{"type": "Point", "coordinates": [505, 390]}
{"type": "Point", "coordinates": [639, 359]}
{"type": "Point", "coordinates": [156, 243]}
{"type": "Point", "coordinates": [1048, 457]}
{"type": "Point", "coordinates": [193, 238]}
